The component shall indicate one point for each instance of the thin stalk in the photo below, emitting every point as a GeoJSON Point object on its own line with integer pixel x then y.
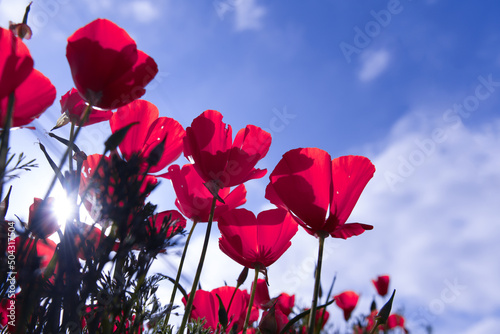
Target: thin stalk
{"type": "Point", "coordinates": [4, 146]}
{"type": "Point", "coordinates": [312, 315]}
{"type": "Point", "coordinates": [179, 270]}
{"type": "Point", "coordinates": [68, 150]}
{"type": "Point", "coordinates": [189, 304]}
{"type": "Point", "coordinates": [252, 296]}
{"type": "Point", "coordinates": [70, 147]}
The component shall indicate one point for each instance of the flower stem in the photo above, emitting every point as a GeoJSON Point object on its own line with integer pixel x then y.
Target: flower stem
{"type": "Point", "coordinates": [71, 140]}
{"type": "Point", "coordinates": [189, 304]}
{"type": "Point", "coordinates": [68, 150]}
{"type": "Point", "coordinates": [312, 315]}
{"type": "Point", "coordinates": [4, 146]}
{"type": "Point", "coordinates": [179, 270]}
{"type": "Point", "coordinates": [252, 296]}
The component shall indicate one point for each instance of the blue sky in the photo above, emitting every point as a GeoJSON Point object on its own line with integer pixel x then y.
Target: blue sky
{"type": "Point", "coordinates": [419, 96]}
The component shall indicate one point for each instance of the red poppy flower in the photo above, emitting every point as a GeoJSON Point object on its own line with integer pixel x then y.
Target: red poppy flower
{"type": "Point", "coordinates": [251, 240]}
{"type": "Point", "coordinates": [285, 303]}
{"type": "Point", "coordinates": [206, 305]}
{"type": "Point", "coordinates": [73, 107]}
{"type": "Point", "coordinates": [396, 320]}
{"type": "Point", "coordinates": [95, 194]}
{"type": "Point", "coordinates": [176, 224]}
{"type": "Point", "coordinates": [273, 321]}
{"type": "Point", "coordinates": [193, 198]}
{"type": "Point", "coordinates": [208, 144]}
{"type": "Point", "coordinates": [108, 70]}
{"type": "Point", "coordinates": [45, 249]}
{"type": "Point", "coordinates": [152, 130]}
{"type": "Point", "coordinates": [347, 302]}
{"type": "Point", "coordinates": [31, 98]}
{"type": "Point", "coordinates": [319, 317]}
{"type": "Point", "coordinates": [42, 221]}
{"type": "Point", "coordinates": [15, 63]}
{"type": "Point", "coordinates": [320, 192]}
{"type": "Point", "coordinates": [262, 298]}
{"type": "Point", "coordinates": [382, 284]}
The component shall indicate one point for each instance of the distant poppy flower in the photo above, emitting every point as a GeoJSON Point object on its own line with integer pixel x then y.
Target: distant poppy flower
{"type": "Point", "coordinates": [347, 302]}
{"type": "Point", "coordinates": [194, 199]}
{"type": "Point", "coordinates": [321, 320]}
{"type": "Point", "coordinates": [206, 305]}
{"type": "Point", "coordinates": [151, 131]}
{"type": "Point", "coordinates": [273, 321]}
{"type": "Point", "coordinates": [31, 98]}
{"type": "Point", "coordinates": [42, 220]}
{"type": "Point", "coordinates": [108, 70]}
{"type": "Point", "coordinates": [381, 284]}
{"type": "Point", "coordinates": [260, 240]}
{"type": "Point", "coordinates": [208, 145]}
{"type": "Point", "coordinates": [15, 63]}
{"type": "Point", "coordinates": [283, 302]}
{"type": "Point", "coordinates": [73, 108]}
{"type": "Point", "coordinates": [176, 223]}
{"type": "Point", "coordinates": [394, 321]}
{"type": "Point", "coordinates": [322, 317]}
{"type": "Point", "coordinates": [320, 192]}
{"type": "Point", "coordinates": [262, 298]}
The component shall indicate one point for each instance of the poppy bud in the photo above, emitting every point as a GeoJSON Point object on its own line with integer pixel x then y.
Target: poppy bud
{"type": "Point", "coordinates": [243, 276]}
{"type": "Point", "coordinates": [384, 312]}
{"type": "Point", "coordinates": [117, 137]}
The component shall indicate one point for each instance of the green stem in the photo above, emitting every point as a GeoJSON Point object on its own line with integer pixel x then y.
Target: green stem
{"type": "Point", "coordinates": [189, 304]}
{"type": "Point", "coordinates": [312, 315]}
{"type": "Point", "coordinates": [179, 270]}
{"type": "Point", "coordinates": [70, 147]}
{"type": "Point", "coordinates": [68, 150]}
{"type": "Point", "coordinates": [4, 146]}
{"type": "Point", "coordinates": [252, 296]}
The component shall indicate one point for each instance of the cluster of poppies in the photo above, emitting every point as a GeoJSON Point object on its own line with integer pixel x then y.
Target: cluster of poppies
{"type": "Point", "coordinates": [307, 186]}
{"type": "Point", "coordinates": [348, 300]}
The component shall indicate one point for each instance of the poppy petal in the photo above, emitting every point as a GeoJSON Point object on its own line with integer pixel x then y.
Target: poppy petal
{"type": "Point", "coordinates": [350, 174]}
{"type": "Point", "coordinates": [302, 180]}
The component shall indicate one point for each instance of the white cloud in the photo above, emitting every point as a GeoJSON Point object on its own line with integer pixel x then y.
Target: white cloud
{"type": "Point", "coordinates": [12, 11]}
{"type": "Point", "coordinates": [373, 64]}
{"type": "Point", "coordinates": [489, 325]}
{"type": "Point", "coordinates": [248, 15]}
{"type": "Point", "coordinates": [435, 231]}
{"type": "Point", "coordinates": [436, 228]}
{"type": "Point", "coordinates": [97, 7]}
{"type": "Point", "coordinates": [142, 11]}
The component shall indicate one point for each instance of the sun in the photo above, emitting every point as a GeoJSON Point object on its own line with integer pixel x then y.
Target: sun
{"type": "Point", "coordinates": [63, 208]}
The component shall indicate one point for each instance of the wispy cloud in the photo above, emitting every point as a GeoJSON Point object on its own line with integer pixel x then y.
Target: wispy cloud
{"type": "Point", "coordinates": [434, 229]}
{"type": "Point", "coordinates": [248, 15]}
{"type": "Point", "coordinates": [373, 64]}
{"type": "Point", "coordinates": [142, 11]}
